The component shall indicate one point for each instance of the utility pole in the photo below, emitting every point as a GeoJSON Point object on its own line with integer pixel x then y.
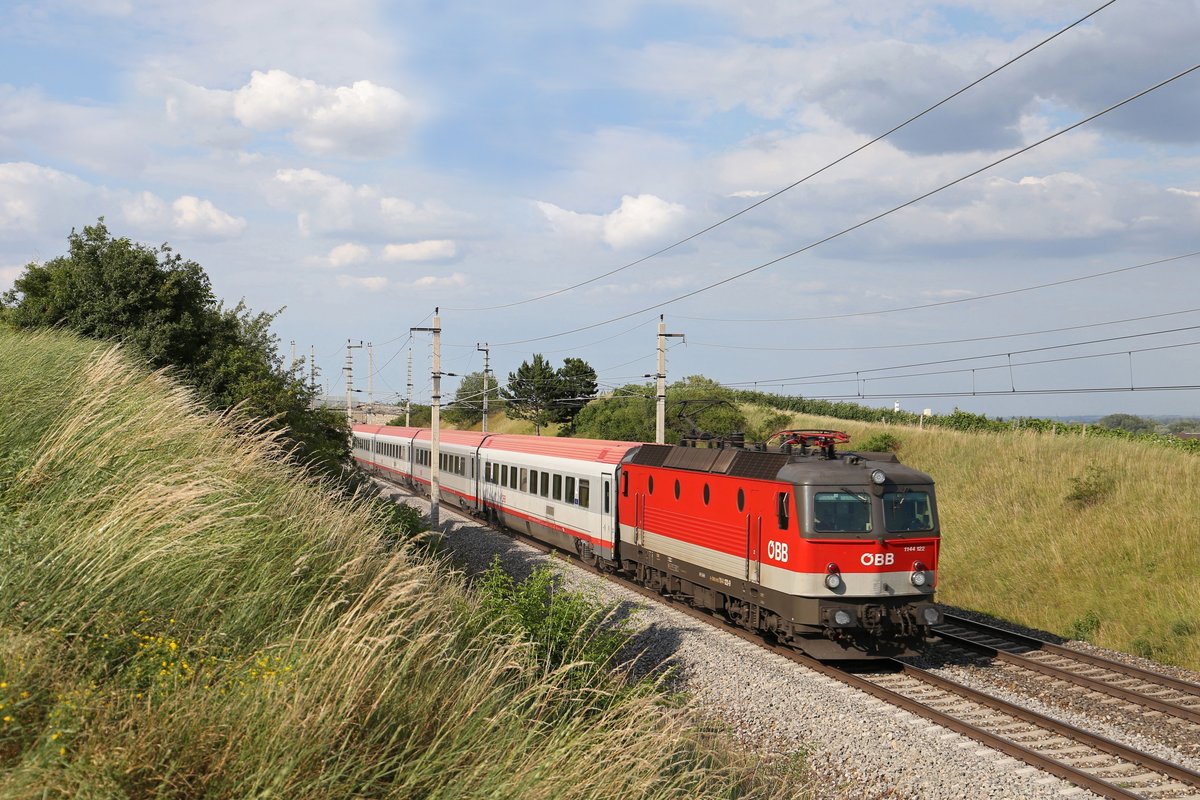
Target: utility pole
{"type": "Point", "coordinates": [660, 410]}
{"type": "Point", "coordinates": [408, 402]}
{"type": "Point", "coordinates": [435, 439]}
{"type": "Point", "coordinates": [370, 379]}
{"type": "Point", "coordinates": [350, 379]}
{"type": "Point", "coordinates": [312, 372]}
{"type": "Point", "coordinates": [486, 353]}
{"type": "Point", "coordinates": [293, 364]}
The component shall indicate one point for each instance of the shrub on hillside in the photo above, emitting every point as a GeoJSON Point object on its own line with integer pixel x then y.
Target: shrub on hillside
{"type": "Point", "coordinates": [882, 442]}
{"type": "Point", "coordinates": [1092, 487]}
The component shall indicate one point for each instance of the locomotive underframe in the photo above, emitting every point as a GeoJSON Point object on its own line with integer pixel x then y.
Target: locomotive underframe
{"type": "Point", "coordinates": [880, 626]}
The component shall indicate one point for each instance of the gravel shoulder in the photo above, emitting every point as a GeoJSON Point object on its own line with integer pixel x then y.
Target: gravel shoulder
{"type": "Point", "coordinates": [854, 745]}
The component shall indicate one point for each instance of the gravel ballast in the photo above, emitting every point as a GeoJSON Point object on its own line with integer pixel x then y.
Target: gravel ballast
{"type": "Point", "coordinates": [855, 745]}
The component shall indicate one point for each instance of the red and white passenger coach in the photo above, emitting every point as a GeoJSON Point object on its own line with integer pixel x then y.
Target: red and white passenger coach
{"type": "Point", "coordinates": [832, 552]}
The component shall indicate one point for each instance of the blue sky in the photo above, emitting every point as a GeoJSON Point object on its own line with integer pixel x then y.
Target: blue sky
{"type": "Point", "coordinates": [363, 163]}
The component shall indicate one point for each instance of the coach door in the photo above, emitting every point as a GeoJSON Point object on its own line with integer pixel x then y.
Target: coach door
{"type": "Point", "coordinates": [606, 509]}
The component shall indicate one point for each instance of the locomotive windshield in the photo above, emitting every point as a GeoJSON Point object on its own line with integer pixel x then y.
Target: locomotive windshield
{"type": "Point", "coordinates": [842, 512]}
{"type": "Point", "coordinates": [907, 511]}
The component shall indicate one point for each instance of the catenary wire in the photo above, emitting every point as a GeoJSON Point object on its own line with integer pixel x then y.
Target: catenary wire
{"type": "Point", "coordinates": [868, 220]}
{"type": "Point", "coordinates": [796, 183]}
{"type": "Point", "coordinates": [944, 341]}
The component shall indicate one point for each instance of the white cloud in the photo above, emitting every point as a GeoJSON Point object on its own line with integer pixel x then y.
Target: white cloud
{"type": "Point", "coordinates": [1184, 192]}
{"type": "Point", "coordinates": [372, 283]}
{"type": "Point", "coordinates": [346, 254]}
{"type": "Point", "coordinates": [361, 119]}
{"type": "Point", "coordinates": [636, 221]}
{"type": "Point", "coordinates": [453, 281]}
{"type": "Point", "coordinates": [748, 194]}
{"type": "Point", "coordinates": [428, 250]}
{"type": "Point", "coordinates": [198, 217]}
{"type": "Point", "coordinates": [326, 204]}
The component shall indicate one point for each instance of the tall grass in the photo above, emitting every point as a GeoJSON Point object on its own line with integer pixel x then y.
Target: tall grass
{"type": "Point", "coordinates": [1118, 564]}
{"type": "Point", "coordinates": [183, 614]}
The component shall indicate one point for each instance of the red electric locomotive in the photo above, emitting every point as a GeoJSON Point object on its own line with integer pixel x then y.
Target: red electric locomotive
{"type": "Point", "coordinates": [834, 553]}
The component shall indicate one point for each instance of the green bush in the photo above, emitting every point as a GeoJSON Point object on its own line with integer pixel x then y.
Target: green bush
{"type": "Point", "coordinates": [1091, 488]}
{"type": "Point", "coordinates": [882, 442]}
{"type": "Point", "coordinates": [1085, 628]}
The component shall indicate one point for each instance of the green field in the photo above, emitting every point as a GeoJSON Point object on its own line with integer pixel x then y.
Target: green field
{"type": "Point", "coordinates": [183, 614]}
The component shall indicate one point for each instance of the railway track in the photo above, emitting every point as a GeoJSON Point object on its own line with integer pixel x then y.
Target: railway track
{"type": "Point", "coordinates": [1093, 762]}
{"type": "Point", "coordinates": [1138, 687]}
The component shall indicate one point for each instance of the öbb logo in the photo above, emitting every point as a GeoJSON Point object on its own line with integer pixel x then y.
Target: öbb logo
{"type": "Point", "coordinates": [878, 559]}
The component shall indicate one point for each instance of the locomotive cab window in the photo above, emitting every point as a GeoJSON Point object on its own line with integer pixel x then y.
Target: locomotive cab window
{"type": "Point", "coordinates": [842, 512]}
{"type": "Point", "coordinates": [783, 509]}
{"type": "Point", "coordinates": [907, 511]}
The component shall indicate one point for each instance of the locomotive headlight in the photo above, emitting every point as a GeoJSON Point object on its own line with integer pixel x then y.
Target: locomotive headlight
{"type": "Point", "coordinates": [878, 476]}
{"type": "Point", "coordinates": [842, 617]}
{"type": "Point", "coordinates": [918, 579]}
{"type": "Point", "coordinates": [833, 578]}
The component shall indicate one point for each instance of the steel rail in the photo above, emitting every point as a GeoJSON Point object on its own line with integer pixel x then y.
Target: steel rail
{"type": "Point", "coordinates": [1083, 681]}
{"type": "Point", "coordinates": [1097, 661]}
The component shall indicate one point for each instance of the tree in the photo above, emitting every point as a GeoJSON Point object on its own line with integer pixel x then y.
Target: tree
{"type": "Point", "coordinates": [627, 415]}
{"type": "Point", "coordinates": [1127, 422]}
{"type": "Point", "coordinates": [532, 392]}
{"type": "Point", "coordinates": [419, 416]}
{"type": "Point", "coordinates": [162, 307]}
{"type": "Point", "coordinates": [577, 385]}
{"type": "Point", "coordinates": [466, 409]}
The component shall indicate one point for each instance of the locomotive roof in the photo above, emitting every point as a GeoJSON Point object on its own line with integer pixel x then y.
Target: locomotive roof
{"type": "Point", "coordinates": [812, 469]}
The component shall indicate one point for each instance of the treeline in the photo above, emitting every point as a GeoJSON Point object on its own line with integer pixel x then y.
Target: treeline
{"type": "Point", "coordinates": [958, 420]}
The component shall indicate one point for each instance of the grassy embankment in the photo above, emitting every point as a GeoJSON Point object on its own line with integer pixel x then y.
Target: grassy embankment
{"type": "Point", "coordinates": [1122, 570]}
{"type": "Point", "coordinates": [184, 615]}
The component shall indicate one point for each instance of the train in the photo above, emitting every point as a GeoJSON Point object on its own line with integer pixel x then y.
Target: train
{"type": "Point", "coordinates": [833, 552]}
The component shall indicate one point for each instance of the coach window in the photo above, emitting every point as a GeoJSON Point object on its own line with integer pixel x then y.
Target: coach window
{"type": "Point", "coordinates": [512, 478]}
{"type": "Point", "coordinates": [524, 480]}
{"type": "Point", "coordinates": [585, 493]}
{"type": "Point", "coordinates": [545, 491]}
{"type": "Point", "coordinates": [607, 499]}
{"type": "Point", "coordinates": [569, 490]}
{"type": "Point", "coordinates": [504, 475]}
{"type": "Point", "coordinates": [783, 510]}
{"type": "Point", "coordinates": [706, 494]}
{"type": "Point", "coordinates": [558, 487]}
{"type": "Point", "coordinates": [741, 500]}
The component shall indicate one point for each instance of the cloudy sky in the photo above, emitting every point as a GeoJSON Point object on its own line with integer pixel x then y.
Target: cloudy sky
{"type": "Point", "coordinates": [362, 163]}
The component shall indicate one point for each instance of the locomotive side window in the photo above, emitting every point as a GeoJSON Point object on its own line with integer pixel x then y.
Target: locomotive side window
{"type": "Point", "coordinates": [650, 484]}
{"type": "Point", "coordinates": [783, 510]}
{"type": "Point", "coordinates": [907, 511]}
{"type": "Point", "coordinates": [676, 488]}
{"type": "Point", "coordinates": [625, 484]}
{"type": "Point", "coordinates": [842, 512]}
{"type": "Point", "coordinates": [741, 500]}
{"type": "Point", "coordinates": [706, 494]}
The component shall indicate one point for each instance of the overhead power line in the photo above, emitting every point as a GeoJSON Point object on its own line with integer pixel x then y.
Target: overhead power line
{"type": "Point", "coordinates": [1008, 354]}
{"type": "Point", "coordinates": [796, 183]}
{"type": "Point", "coordinates": [943, 341]}
{"type": "Point", "coordinates": [956, 301]}
{"type": "Point", "coordinates": [868, 220]}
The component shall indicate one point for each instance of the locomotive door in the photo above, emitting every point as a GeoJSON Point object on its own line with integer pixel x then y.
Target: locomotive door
{"type": "Point", "coordinates": [754, 525]}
